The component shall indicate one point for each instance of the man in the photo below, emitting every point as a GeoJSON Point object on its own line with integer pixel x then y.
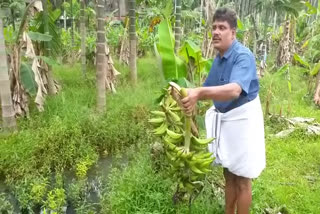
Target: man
{"type": "Point", "coordinates": [233, 86]}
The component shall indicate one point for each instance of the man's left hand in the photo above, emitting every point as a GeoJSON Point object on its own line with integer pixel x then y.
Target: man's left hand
{"type": "Point", "coordinates": [190, 101]}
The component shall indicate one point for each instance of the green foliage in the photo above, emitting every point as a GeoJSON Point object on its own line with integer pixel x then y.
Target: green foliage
{"type": "Point", "coordinates": [315, 69]}
{"type": "Point", "coordinates": [172, 66]}
{"type": "Point", "coordinates": [138, 188]}
{"type": "Point", "coordinates": [302, 62]}
{"type": "Point", "coordinates": [37, 27]}
{"type": "Point", "coordinates": [5, 205]}
{"type": "Point", "coordinates": [56, 200]}
{"type": "Point", "coordinates": [27, 78]}
{"type": "Point", "coordinates": [40, 37]}
{"type": "Point", "coordinates": [114, 31]}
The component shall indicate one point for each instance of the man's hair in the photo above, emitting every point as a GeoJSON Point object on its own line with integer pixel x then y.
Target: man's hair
{"type": "Point", "coordinates": [226, 14]}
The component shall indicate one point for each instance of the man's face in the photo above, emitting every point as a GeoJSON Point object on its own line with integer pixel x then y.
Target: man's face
{"type": "Point", "coordinates": [223, 35]}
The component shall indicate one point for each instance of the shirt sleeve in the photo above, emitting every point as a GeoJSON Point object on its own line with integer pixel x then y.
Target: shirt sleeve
{"type": "Point", "coordinates": [243, 72]}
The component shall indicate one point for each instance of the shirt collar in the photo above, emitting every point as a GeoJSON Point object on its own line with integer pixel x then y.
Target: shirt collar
{"type": "Point", "coordinates": [227, 54]}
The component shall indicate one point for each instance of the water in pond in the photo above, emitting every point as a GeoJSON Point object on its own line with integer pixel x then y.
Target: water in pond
{"type": "Point", "coordinates": [96, 178]}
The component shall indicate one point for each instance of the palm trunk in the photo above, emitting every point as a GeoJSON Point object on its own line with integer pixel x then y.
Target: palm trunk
{"type": "Point", "coordinates": [83, 38]}
{"type": "Point", "coordinates": [8, 115]}
{"type": "Point", "coordinates": [275, 21]}
{"type": "Point", "coordinates": [133, 46]}
{"type": "Point", "coordinates": [317, 91]}
{"type": "Point", "coordinates": [283, 52]}
{"type": "Point", "coordinates": [101, 58]}
{"type": "Point", "coordinates": [51, 86]}
{"type": "Point", "coordinates": [177, 26]}
{"type": "Point", "coordinates": [13, 22]}
{"type": "Point", "coordinates": [254, 19]}
{"type": "Point", "coordinates": [64, 18]}
{"type": "Point", "coordinates": [72, 33]}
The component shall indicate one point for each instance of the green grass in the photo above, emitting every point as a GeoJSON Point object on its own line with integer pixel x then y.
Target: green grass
{"type": "Point", "coordinates": [69, 133]}
{"type": "Point", "coordinates": [290, 183]}
{"type": "Point", "coordinates": [291, 178]}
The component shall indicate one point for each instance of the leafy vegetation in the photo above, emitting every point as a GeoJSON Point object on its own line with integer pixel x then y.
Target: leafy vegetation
{"type": "Point", "coordinates": [69, 155]}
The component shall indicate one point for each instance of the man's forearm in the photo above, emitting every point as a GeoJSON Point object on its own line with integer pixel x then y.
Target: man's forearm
{"type": "Point", "coordinates": [219, 93]}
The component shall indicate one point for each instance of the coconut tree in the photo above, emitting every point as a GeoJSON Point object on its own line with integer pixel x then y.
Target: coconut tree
{"type": "Point", "coordinates": [177, 26]}
{"type": "Point", "coordinates": [100, 58]}
{"type": "Point", "coordinates": [51, 86]}
{"type": "Point", "coordinates": [72, 32]}
{"type": "Point", "coordinates": [133, 43]}
{"type": "Point", "coordinates": [8, 115]}
{"type": "Point", "coordinates": [83, 37]}
{"type": "Point", "coordinates": [317, 91]}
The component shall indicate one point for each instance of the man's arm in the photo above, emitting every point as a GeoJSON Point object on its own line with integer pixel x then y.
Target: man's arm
{"type": "Point", "coordinates": [219, 93]}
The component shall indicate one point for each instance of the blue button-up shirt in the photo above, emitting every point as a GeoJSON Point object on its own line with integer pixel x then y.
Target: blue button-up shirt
{"type": "Point", "coordinates": [236, 66]}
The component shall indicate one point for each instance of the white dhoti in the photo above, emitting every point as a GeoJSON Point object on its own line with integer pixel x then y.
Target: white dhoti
{"type": "Point", "coordinates": [239, 143]}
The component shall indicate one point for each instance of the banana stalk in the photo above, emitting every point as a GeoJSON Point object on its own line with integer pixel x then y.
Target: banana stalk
{"type": "Point", "coordinates": [187, 123]}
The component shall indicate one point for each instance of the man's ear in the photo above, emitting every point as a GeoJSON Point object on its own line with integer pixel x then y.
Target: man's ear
{"type": "Point", "coordinates": [234, 32]}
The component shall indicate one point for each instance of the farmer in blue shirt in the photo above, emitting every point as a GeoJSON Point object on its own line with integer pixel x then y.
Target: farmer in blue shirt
{"type": "Point", "coordinates": [231, 83]}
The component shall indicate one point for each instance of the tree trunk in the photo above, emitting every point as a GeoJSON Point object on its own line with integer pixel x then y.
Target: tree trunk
{"type": "Point", "coordinates": [64, 18]}
{"type": "Point", "coordinates": [83, 37]}
{"type": "Point", "coordinates": [8, 114]}
{"type": "Point", "coordinates": [133, 45]}
{"type": "Point", "coordinates": [275, 21]}
{"type": "Point", "coordinates": [255, 21]}
{"type": "Point", "coordinates": [51, 86]}
{"type": "Point", "coordinates": [13, 22]}
{"type": "Point", "coordinates": [101, 58]}
{"type": "Point", "coordinates": [317, 91]}
{"type": "Point", "coordinates": [177, 26]}
{"type": "Point", "coordinates": [284, 53]}
{"type": "Point", "coordinates": [72, 33]}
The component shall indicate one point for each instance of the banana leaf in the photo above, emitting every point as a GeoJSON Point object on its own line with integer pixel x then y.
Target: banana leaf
{"type": "Point", "coordinates": [299, 59]}
{"type": "Point", "coordinates": [240, 25]}
{"type": "Point", "coordinates": [311, 9]}
{"type": "Point", "coordinates": [36, 36]}
{"type": "Point", "coordinates": [49, 61]}
{"type": "Point", "coordinates": [282, 70]}
{"type": "Point", "coordinates": [172, 66]}
{"type": "Point", "coordinates": [315, 69]}
{"type": "Point", "coordinates": [190, 49]}
{"type": "Point", "coordinates": [27, 78]}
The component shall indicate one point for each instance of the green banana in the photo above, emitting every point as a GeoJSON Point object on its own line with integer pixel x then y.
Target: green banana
{"type": "Point", "coordinates": [156, 121]}
{"type": "Point", "coordinates": [167, 138]}
{"type": "Point", "coordinates": [195, 169]}
{"type": "Point", "coordinates": [206, 164]}
{"type": "Point", "coordinates": [201, 142]}
{"type": "Point", "coordinates": [170, 146]}
{"type": "Point", "coordinates": [175, 118]}
{"type": "Point", "coordinates": [161, 130]}
{"type": "Point", "coordinates": [158, 113]}
{"type": "Point", "coordinates": [198, 147]}
{"type": "Point", "coordinates": [203, 155]}
{"type": "Point", "coordinates": [174, 135]}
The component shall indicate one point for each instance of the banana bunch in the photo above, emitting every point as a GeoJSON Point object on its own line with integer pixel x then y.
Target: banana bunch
{"type": "Point", "coordinates": [187, 154]}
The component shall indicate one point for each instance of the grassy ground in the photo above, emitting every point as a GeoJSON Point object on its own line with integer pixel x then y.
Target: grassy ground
{"type": "Point", "coordinates": [69, 135]}
{"type": "Point", "coordinates": [289, 184]}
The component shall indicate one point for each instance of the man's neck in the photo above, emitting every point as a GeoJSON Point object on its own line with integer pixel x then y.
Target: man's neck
{"type": "Point", "coordinates": [222, 52]}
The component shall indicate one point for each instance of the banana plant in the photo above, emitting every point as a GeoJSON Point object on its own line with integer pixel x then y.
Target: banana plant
{"type": "Point", "coordinates": [313, 71]}
{"type": "Point", "coordinates": [197, 65]}
{"type": "Point", "coordinates": [172, 66]}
